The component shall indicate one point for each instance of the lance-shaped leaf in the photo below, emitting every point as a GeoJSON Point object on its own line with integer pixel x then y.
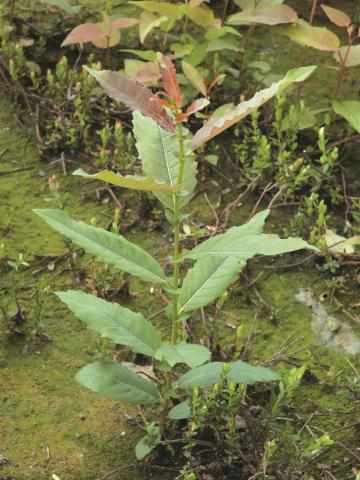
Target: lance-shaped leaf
{"type": "Point", "coordinates": [207, 280]}
{"type": "Point", "coordinates": [170, 82]}
{"type": "Point", "coordinates": [350, 110]}
{"type": "Point", "coordinates": [130, 181]}
{"type": "Point", "coordinates": [197, 105]}
{"type": "Point", "coordinates": [273, 15]}
{"type": "Point", "coordinates": [231, 116]}
{"type": "Point", "coordinates": [117, 382]}
{"type": "Point", "coordinates": [195, 77]}
{"type": "Point", "coordinates": [134, 96]}
{"type": "Point", "coordinates": [109, 247]}
{"type": "Point", "coordinates": [113, 321]}
{"type": "Point", "coordinates": [147, 22]}
{"type": "Point", "coordinates": [158, 151]}
{"type": "Point", "coordinates": [211, 276]}
{"type": "Point", "coordinates": [316, 37]}
{"type": "Point", "coordinates": [349, 55]}
{"type": "Point", "coordinates": [239, 372]}
{"type": "Point", "coordinates": [338, 17]}
{"type": "Point", "coordinates": [188, 353]}
{"type": "Point", "coordinates": [246, 246]}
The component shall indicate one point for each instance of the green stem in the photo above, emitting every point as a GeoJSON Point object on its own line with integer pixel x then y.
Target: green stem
{"type": "Point", "coordinates": [176, 229]}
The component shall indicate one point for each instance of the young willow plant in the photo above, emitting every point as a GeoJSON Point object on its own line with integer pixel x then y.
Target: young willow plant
{"type": "Point", "coordinates": [166, 148]}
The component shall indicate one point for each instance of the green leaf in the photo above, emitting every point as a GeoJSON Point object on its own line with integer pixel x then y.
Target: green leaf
{"type": "Point", "coordinates": [109, 247]}
{"type": "Point", "coordinates": [211, 276]}
{"type": "Point", "coordinates": [189, 353]}
{"type": "Point", "coordinates": [113, 321]}
{"type": "Point", "coordinates": [240, 372]}
{"type": "Point", "coordinates": [180, 411]}
{"type": "Point", "coordinates": [248, 246]}
{"type": "Point", "coordinates": [158, 151]}
{"type": "Point", "coordinates": [148, 55]}
{"type": "Point", "coordinates": [195, 77]}
{"type": "Point", "coordinates": [199, 15]}
{"type": "Point", "coordinates": [147, 444]}
{"type": "Point", "coordinates": [130, 181]}
{"type": "Point", "coordinates": [271, 15]}
{"type": "Point", "coordinates": [338, 244]}
{"type": "Point", "coordinates": [223, 43]}
{"type": "Point", "coordinates": [147, 22]}
{"type": "Point", "coordinates": [351, 54]}
{"type": "Point", "coordinates": [166, 9]}
{"type": "Point", "coordinates": [202, 377]}
{"type": "Point", "coordinates": [316, 37]}
{"type": "Point", "coordinates": [63, 5]}
{"type": "Point", "coordinates": [207, 280]}
{"type": "Point", "coordinates": [350, 110]}
{"type": "Point", "coordinates": [217, 125]}
{"type": "Point", "coordinates": [117, 382]}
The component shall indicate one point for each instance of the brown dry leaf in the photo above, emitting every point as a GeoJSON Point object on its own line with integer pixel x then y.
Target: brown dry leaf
{"type": "Point", "coordinates": [26, 42]}
{"type": "Point", "coordinates": [217, 125]}
{"type": "Point", "coordinates": [134, 96]}
{"type": "Point", "coordinates": [197, 105]}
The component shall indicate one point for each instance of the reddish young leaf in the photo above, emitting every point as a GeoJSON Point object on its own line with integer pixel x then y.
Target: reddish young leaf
{"type": "Point", "coordinates": [197, 105]}
{"type": "Point", "coordinates": [87, 32]}
{"type": "Point", "coordinates": [338, 17]}
{"type": "Point", "coordinates": [273, 15]}
{"type": "Point", "coordinates": [170, 82]}
{"type": "Point", "coordinates": [216, 80]}
{"type": "Point", "coordinates": [181, 117]}
{"type": "Point", "coordinates": [148, 74]}
{"type": "Point", "coordinates": [134, 96]}
{"type": "Point", "coordinates": [121, 23]}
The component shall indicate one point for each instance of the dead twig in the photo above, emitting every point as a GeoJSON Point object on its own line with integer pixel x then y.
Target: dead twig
{"type": "Point", "coordinates": [232, 206]}
{"type": "Point", "coordinates": [266, 190]}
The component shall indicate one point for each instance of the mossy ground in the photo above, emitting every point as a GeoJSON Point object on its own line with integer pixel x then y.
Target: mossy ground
{"type": "Point", "coordinates": [48, 423]}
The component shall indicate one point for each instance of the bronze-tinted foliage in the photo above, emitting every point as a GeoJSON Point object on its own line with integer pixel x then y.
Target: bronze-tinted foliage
{"type": "Point", "coordinates": [338, 17]}
{"type": "Point", "coordinates": [134, 96]}
{"type": "Point", "coordinates": [171, 85]}
{"type": "Point", "coordinates": [102, 34]}
{"type": "Point", "coordinates": [217, 125]}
